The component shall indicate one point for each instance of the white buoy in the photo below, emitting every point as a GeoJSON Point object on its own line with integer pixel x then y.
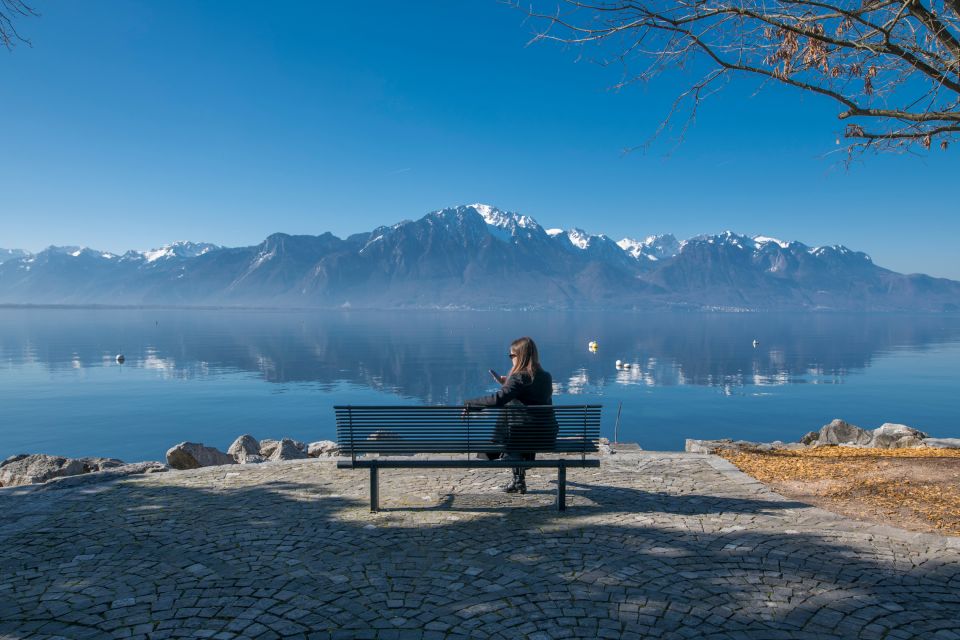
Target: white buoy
{"type": "Point", "coordinates": [756, 343]}
{"type": "Point", "coordinates": [120, 358]}
{"type": "Point", "coordinates": [592, 345]}
{"type": "Point", "coordinates": [626, 365]}
{"type": "Point", "coordinates": [619, 364]}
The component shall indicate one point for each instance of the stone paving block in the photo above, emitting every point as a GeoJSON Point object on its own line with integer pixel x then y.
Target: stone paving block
{"type": "Point", "coordinates": [652, 545]}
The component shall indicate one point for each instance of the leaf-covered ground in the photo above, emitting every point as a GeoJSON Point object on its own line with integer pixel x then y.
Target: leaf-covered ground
{"type": "Point", "coordinates": [917, 489]}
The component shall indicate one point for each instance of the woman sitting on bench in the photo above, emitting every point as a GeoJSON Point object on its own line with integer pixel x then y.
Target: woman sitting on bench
{"type": "Point", "coordinates": [526, 384]}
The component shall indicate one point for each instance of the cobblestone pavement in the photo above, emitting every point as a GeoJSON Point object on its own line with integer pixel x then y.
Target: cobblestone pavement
{"type": "Point", "coordinates": [653, 545]}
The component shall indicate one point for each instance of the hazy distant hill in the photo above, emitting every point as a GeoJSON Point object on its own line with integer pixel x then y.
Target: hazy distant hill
{"type": "Point", "coordinates": [481, 257]}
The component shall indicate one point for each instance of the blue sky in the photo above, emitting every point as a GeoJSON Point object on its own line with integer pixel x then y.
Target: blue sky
{"type": "Point", "coordinates": [130, 124]}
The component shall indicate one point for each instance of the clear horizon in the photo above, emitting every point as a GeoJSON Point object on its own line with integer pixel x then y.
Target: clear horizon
{"type": "Point", "coordinates": [138, 124]}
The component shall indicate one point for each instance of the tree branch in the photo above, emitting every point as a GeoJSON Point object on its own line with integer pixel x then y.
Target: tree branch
{"type": "Point", "coordinates": [894, 62]}
{"type": "Point", "coordinates": [9, 11]}
{"type": "Point", "coordinates": [938, 29]}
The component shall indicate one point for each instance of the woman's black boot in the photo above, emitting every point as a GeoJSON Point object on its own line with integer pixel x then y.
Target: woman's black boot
{"type": "Point", "coordinates": [521, 480]}
{"type": "Point", "coordinates": [514, 486]}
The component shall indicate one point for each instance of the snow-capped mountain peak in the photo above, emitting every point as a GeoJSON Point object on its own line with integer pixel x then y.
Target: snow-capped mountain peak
{"type": "Point", "coordinates": [12, 254]}
{"type": "Point", "coordinates": [579, 238]}
{"type": "Point", "coordinates": [631, 246]}
{"type": "Point", "coordinates": [75, 252]}
{"type": "Point", "coordinates": [654, 247]}
{"type": "Point", "coordinates": [179, 249]}
{"type": "Point", "coordinates": [838, 250]}
{"type": "Point", "coordinates": [762, 240]}
{"type": "Point", "coordinates": [504, 219]}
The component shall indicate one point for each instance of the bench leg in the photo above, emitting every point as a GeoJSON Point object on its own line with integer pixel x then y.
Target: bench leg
{"type": "Point", "coordinates": [374, 490]}
{"type": "Point", "coordinates": [562, 487]}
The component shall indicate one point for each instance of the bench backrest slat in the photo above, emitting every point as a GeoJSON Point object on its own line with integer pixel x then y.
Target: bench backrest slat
{"type": "Point", "coordinates": [445, 429]}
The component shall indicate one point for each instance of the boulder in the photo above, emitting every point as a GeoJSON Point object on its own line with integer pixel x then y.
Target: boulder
{"type": "Point", "coordinates": [942, 443]}
{"type": "Point", "coordinates": [193, 455]}
{"type": "Point", "coordinates": [382, 435]}
{"type": "Point", "coordinates": [386, 437]}
{"type": "Point", "coordinates": [14, 458]}
{"type": "Point", "coordinates": [323, 449]}
{"type": "Point", "coordinates": [245, 450]}
{"type": "Point", "coordinates": [726, 444]}
{"type": "Point", "coordinates": [810, 437]}
{"type": "Point", "coordinates": [705, 446]}
{"type": "Point", "coordinates": [604, 448]}
{"type": "Point", "coordinates": [840, 432]}
{"type": "Point", "coordinates": [896, 436]}
{"type": "Point", "coordinates": [92, 465]}
{"type": "Point", "coordinates": [287, 449]}
{"type": "Point", "coordinates": [37, 468]}
{"type": "Point", "coordinates": [907, 442]}
{"type": "Point", "coordinates": [268, 446]}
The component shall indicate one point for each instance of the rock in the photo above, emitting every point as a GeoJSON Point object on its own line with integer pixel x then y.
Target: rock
{"type": "Point", "coordinates": [192, 455]}
{"type": "Point", "coordinates": [382, 435]}
{"type": "Point", "coordinates": [323, 449]}
{"type": "Point", "coordinates": [840, 432]}
{"type": "Point", "coordinates": [108, 473]}
{"type": "Point", "coordinates": [908, 442]}
{"type": "Point", "coordinates": [287, 449]}
{"type": "Point", "coordinates": [705, 446]}
{"type": "Point", "coordinates": [942, 443]}
{"type": "Point", "coordinates": [603, 447]}
{"type": "Point", "coordinates": [810, 437]}
{"type": "Point", "coordinates": [245, 450]}
{"type": "Point", "coordinates": [896, 436]}
{"type": "Point", "coordinates": [268, 446]}
{"type": "Point", "coordinates": [92, 465]}
{"type": "Point", "coordinates": [19, 456]}
{"type": "Point", "coordinates": [36, 468]}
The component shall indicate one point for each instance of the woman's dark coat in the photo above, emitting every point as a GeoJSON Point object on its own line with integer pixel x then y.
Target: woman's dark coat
{"type": "Point", "coordinates": [524, 430]}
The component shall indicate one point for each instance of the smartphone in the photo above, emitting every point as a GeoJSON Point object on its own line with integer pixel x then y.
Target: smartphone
{"type": "Point", "coordinates": [495, 375]}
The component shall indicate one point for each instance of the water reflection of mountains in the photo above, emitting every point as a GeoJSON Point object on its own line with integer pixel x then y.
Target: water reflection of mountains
{"type": "Point", "coordinates": [442, 357]}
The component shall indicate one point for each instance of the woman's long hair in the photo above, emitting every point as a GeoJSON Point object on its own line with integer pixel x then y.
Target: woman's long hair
{"type": "Point", "coordinates": [528, 358]}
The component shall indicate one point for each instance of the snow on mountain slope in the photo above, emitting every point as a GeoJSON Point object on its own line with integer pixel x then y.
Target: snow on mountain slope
{"type": "Point", "coordinates": [12, 254]}
{"type": "Point", "coordinates": [761, 240]}
{"type": "Point", "coordinates": [179, 249]}
{"type": "Point", "coordinates": [651, 248]}
{"type": "Point", "coordinates": [505, 219]}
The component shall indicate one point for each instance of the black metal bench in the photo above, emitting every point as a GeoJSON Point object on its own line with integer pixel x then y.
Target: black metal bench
{"type": "Point", "coordinates": [367, 434]}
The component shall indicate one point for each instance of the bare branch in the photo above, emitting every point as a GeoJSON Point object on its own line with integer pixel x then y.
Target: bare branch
{"type": "Point", "coordinates": [895, 63]}
{"type": "Point", "coordinates": [11, 10]}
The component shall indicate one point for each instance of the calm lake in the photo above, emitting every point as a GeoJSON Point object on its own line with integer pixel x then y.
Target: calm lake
{"type": "Point", "coordinates": [209, 376]}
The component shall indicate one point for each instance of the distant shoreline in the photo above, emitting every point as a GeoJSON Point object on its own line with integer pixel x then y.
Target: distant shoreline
{"type": "Point", "coordinates": [454, 309]}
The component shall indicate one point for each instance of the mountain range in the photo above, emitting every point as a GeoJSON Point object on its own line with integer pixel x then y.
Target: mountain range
{"type": "Point", "coordinates": [476, 256]}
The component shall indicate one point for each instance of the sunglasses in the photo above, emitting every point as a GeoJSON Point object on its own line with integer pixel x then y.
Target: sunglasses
{"type": "Point", "coordinates": [512, 355]}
